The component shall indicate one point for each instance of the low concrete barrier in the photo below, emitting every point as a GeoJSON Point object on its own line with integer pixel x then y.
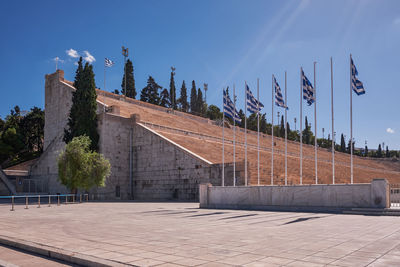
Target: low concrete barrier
{"type": "Point", "coordinates": [297, 197]}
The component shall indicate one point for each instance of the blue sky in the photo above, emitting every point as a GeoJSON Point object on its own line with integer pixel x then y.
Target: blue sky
{"type": "Point", "coordinates": [221, 43]}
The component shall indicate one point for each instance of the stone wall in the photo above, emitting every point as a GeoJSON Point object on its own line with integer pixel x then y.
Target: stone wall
{"type": "Point", "coordinates": [299, 197]}
{"type": "Point", "coordinates": [162, 170]}
{"type": "Point", "coordinates": [144, 164]}
{"type": "Point", "coordinates": [6, 186]}
{"type": "Point", "coordinates": [3, 189]}
{"type": "Point", "coordinates": [115, 134]}
{"type": "Point", "coordinates": [58, 101]}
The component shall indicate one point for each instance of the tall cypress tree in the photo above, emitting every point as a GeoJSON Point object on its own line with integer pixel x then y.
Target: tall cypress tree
{"type": "Point", "coordinates": [83, 118]}
{"type": "Point", "coordinates": [307, 133]}
{"type": "Point", "coordinates": [172, 89]}
{"type": "Point", "coordinates": [387, 152]}
{"type": "Point", "coordinates": [200, 102]}
{"type": "Point", "coordinates": [342, 144]}
{"type": "Point", "coordinates": [193, 98]}
{"type": "Point", "coordinates": [366, 151]}
{"type": "Point", "coordinates": [379, 152]}
{"type": "Point", "coordinates": [130, 80]}
{"type": "Point", "coordinates": [282, 128]}
{"type": "Point", "coordinates": [150, 93]}
{"type": "Point", "coordinates": [183, 98]}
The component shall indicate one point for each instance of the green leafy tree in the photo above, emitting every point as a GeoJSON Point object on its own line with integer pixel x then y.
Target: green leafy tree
{"type": "Point", "coordinates": [81, 168]}
{"type": "Point", "coordinates": [165, 99]}
{"type": "Point", "coordinates": [183, 101]}
{"type": "Point", "coordinates": [252, 122]}
{"type": "Point", "coordinates": [150, 93]}
{"type": "Point", "coordinates": [32, 128]}
{"type": "Point", "coordinates": [242, 118]}
{"type": "Point", "coordinates": [214, 113]}
{"type": "Point", "coordinates": [11, 143]}
{"type": "Point", "coordinates": [14, 119]}
{"type": "Point", "coordinates": [116, 91]}
{"type": "Point", "coordinates": [193, 98]}
{"type": "Point", "coordinates": [387, 152]}
{"type": "Point", "coordinates": [2, 123]}
{"type": "Point", "coordinates": [82, 117]}
{"type": "Point", "coordinates": [263, 123]}
{"type": "Point", "coordinates": [130, 80]}
{"type": "Point", "coordinates": [172, 89]}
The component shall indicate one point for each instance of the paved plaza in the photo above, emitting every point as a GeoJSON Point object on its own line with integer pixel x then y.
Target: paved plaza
{"type": "Point", "coordinates": [10, 257]}
{"type": "Point", "coordinates": [181, 234]}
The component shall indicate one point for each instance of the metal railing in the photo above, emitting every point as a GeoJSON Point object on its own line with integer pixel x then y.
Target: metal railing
{"type": "Point", "coordinates": [395, 195]}
{"type": "Point", "coordinates": [43, 200]}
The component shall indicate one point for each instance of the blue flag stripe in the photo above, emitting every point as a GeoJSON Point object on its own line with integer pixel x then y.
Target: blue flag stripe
{"type": "Point", "coordinates": [229, 109]}
{"type": "Point", "coordinates": [252, 102]}
{"type": "Point", "coordinates": [278, 95]}
{"type": "Point", "coordinates": [308, 89]}
{"type": "Point", "coordinates": [356, 84]}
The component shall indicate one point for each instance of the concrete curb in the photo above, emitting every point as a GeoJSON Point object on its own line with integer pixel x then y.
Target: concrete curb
{"type": "Point", "coordinates": [59, 254]}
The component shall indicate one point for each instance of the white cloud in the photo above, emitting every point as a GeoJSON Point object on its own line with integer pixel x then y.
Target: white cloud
{"type": "Point", "coordinates": [390, 130]}
{"type": "Point", "coordinates": [76, 64]}
{"type": "Point", "coordinates": [72, 53]}
{"type": "Point", "coordinates": [88, 57]}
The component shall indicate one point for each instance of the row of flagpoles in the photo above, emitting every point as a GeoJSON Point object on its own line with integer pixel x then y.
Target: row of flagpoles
{"type": "Point", "coordinates": [308, 93]}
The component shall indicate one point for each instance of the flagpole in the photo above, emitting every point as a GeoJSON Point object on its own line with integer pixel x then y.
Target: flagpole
{"type": "Point", "coordinates": [245, 134]}
{"type": "Point", "coordinates": [223, 141]}
{"type": "Point", "coordinates": [351, 130]}
{"type": "Point", "coordinates": [272, 134]}
{"type": "Point", "coordinates": [315, 127]}
{"type": "Point", "coordinates": [286, 105]}
{"type": "Point", "coordinates": [104, 75]}
{"type": "Point", "coordinates": [258, 133]}
{"type": "Point", "coordinates": [301, 127]}
{"type": "Point", "coordinates": [333, 131]}
{"type": "Point", "coordinates": [234, 137]}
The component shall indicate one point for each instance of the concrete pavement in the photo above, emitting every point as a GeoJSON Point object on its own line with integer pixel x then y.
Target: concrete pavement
{"type": "Point", "coordinates": [10, 257]}
{"type": "Point", "coordinates": [181, 234]}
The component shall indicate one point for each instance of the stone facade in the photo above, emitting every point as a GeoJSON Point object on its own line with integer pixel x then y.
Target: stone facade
{"type": "Point", "coordinates": [144, 164]}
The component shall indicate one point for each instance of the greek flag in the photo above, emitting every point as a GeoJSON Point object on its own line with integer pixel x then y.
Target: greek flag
{"type": "Point", "coordinates": [308, 89]}
{"type": "Point", "coordinates": [108, 62]}
{"type": "Point", "coordinates": [278, 95]}
{"type": "Point", "coordinates": [229, 109]}
{"type": "Point", "coordinates": [356, 84]}
{"type": "Point", "coordinates": [252, 101]}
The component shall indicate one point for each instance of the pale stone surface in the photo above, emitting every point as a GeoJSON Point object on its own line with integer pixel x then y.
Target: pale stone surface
{"type": "Point", "coordinates": [374, 195]}
{"type": "Point", "coordinates": [161, 170]}
{"type": "Point", "coordinates": [10, 257]}
{"type": "Point", "coordinates": [181, 234]}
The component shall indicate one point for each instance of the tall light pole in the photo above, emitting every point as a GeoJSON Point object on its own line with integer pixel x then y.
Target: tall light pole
{"type": "Point", "coordinates": [125, 54]}
{"type": "Point", "coordinates": [277, 115]}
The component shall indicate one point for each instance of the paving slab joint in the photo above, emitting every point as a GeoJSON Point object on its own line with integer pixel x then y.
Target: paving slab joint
{"type": "Point", "coordinates": [58, 254]}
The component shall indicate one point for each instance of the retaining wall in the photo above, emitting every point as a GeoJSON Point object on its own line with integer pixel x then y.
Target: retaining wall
{"type": "Point", "coordinates": [340, 196]}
